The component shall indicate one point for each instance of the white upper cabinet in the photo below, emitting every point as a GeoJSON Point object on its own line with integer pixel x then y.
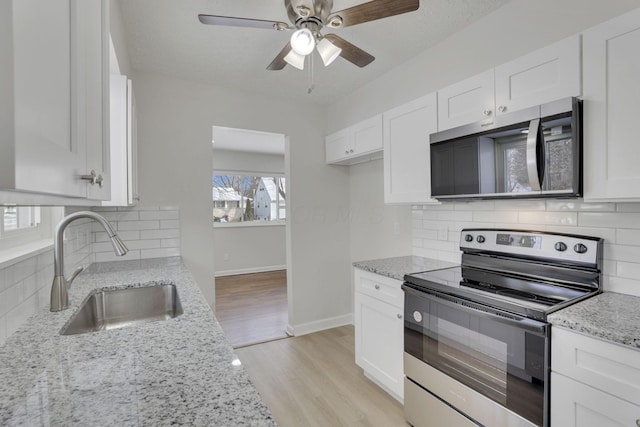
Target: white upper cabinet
{"type": "Point", "coordinates": [611, 109]}
{"type": "Point", "coordinates": [407, 176]}
{"type": "Point", "coordinates": [544, 75]}
{"type": "Point", "coordinates": [467, 101]}
{"type": "Point", "coordinates": [355, 144]}
{"type": "Point", "coordinates": [54, 62]}
{"type": "Point", "coordinates": [123, 146]}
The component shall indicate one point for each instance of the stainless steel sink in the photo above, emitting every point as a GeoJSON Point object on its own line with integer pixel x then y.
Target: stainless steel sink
{"type": "Point", "coordinates": [119, 308]}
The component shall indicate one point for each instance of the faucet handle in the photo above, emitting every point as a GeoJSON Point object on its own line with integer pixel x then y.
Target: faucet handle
{"type": "Point", "coordinates": [73, 275]}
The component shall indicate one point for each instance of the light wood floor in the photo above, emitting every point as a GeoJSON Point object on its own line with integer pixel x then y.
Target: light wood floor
{"type": "Point", "coordinates": [312, 380]}
{"type": "Point", "coordinates": [252, 308]}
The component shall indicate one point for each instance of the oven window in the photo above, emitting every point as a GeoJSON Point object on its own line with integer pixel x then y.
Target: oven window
{"type": "Point", "coordinates": [497, 359]}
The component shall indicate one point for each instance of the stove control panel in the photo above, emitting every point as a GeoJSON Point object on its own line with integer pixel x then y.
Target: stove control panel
{"type": "Point", "coordinates": [581, 249]}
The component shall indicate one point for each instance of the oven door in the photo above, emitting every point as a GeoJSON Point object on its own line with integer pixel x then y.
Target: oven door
{"type": "Point", "coordinates": [499, 355]}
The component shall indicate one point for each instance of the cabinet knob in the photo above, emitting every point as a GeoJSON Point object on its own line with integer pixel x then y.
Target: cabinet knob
{"type": "Point", "coordinates": [93, 178]}
{"type": "Point", "coordinates": [486, 113]}
{"type": "Point", "coordinates": [502, 108]}
{"type": "Point", "coordinates": [377, 287]}
{"type": "Point", "coordinates": [346, 151]}
{"type": "Point", "coordinates": [399, 316]}
{"type": "Point", "coordinates": [351, 151]}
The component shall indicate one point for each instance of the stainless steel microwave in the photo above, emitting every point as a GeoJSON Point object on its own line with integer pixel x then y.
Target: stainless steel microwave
{"type": "Point", "coordinates": [536, 152]}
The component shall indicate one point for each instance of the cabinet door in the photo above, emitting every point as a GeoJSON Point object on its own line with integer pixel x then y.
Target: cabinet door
{"type": "Point", "coordinates": [468, 101]}
{"type": "Point", "coordinates": [379, 329]}
{"type": "Point", "coordinates": [48, 156]}
{"type": "Point", "coordinates": [407, 177]}
{"type": "Point", "coordinates": [611, 109]}
{"type": "Point", "coordinates": [544, 75]}
{"type": "Point", "coordinates": [339, 145]}
{"type": "Point", "coordinates": [367, 135]}
{"type": "Point", "coordinates": [91, 44]}
{"type": "Point", "coordinates": [574, 404]}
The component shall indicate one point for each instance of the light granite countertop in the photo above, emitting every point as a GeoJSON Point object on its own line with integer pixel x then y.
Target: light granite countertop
{"type": "Point", "coordinates": [397, 267]}
{"type": "Point", "coordinates": [173, 372]}
{"type": "Point", "coordinates": [610, 316]}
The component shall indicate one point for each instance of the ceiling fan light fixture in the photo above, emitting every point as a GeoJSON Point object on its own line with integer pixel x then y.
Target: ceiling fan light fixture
{"type": "Point", "coordinates": [328, 51]}
{"type": "Point", "coordinates": [303, 41]}
{"type": "Point", "coordinates": [335, 21]}
{"type": "Point", "coordinates": [295, 60]}
{"type": "Point", "coordinates": [303, 11]}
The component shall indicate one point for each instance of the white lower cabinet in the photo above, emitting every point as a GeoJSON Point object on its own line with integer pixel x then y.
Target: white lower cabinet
{"type": "Point", "coordinates": [594, 383]}
{"type": "Point", "coordinates": [379, 328]}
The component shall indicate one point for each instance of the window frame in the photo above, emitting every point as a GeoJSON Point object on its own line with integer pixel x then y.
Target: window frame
{"type": "Point", "coordinates": [254, 223]}
{"type": "Point", "coordinates": [43, 231]}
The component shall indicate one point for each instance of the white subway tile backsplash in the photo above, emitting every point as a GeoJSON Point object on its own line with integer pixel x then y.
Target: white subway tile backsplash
{"type": "Point", "coordinates": [102, 236]}
{"type": "Point", "coordinates": [169, 223]}
{"type": "Point", "coordinates": [618, 224]}
{"type": "Point", "coordinates": [170, 243]}
{"type": "Point", "coordinates": [160, 234]}
{"type": "Point", "coordinates": [158, 253]}
{"type": "Point", "coordinates": [165, 214]}
{"type": "Point", "coordinates": [138, 225]}
{"type": "Point", "coordinates": [551, 218]}
{"type": "Point", "coordinates": [111, 256]}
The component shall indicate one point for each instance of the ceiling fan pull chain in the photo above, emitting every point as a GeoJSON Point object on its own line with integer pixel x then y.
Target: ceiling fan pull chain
{"type": "Point", "coordinates": [311, 83]}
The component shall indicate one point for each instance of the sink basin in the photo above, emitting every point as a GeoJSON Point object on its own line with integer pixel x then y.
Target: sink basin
{"type": "Point", "coordinates": [119, 308]}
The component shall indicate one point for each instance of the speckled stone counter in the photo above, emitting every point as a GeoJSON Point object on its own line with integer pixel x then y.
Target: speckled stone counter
{"type": "Point", "coordinates": [397, 267]}
{"type": "Point", "coordinates": [173, 372]}
{"type": "Point", "coordinates": [610, 316]}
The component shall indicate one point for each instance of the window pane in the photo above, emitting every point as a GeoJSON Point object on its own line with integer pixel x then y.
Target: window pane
{"type": "Point", "coordinates": [10, 219]}
{"type": "Point", "coordinates": [18, 218]}
{"type": "Point", "coordinates": [244, 198]}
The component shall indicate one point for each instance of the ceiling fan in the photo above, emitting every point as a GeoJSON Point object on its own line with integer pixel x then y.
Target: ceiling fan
{"type": "Point", "coordinates": [308, 18]}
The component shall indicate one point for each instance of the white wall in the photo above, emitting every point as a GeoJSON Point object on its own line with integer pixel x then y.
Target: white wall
{"type": "Point", "coordinates": [250, 249]}
{"type": "Point", "coordinates": [228, 160]}
{"type": "Point", "coordinates": [174, 127]}
{"type": "Point", "coordinates": [239, 250]}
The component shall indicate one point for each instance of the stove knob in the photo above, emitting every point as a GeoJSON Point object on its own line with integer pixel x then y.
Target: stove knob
{"type": "Point", "coordinates": [468, 238]}
{"type": "Point", "coordinates": [561, 246]}
{"type": "Point", "coordinates": [480, 239]}
{"type": "Point", "coordinates": [580, 248]}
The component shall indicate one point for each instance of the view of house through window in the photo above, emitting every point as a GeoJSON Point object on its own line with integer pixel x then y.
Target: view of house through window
{"type": "Point", "coordinates": [19, 218]}
{"type": "Point", "coordinates": [248, 198]}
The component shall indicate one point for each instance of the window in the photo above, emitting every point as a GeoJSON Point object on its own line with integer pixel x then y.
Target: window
{"type": "Point", "coordinates": [23, 224]}
{"type": "Point", "coordinates": [248, 198]}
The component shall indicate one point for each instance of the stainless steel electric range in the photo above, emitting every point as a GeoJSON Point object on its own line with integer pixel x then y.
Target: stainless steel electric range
{"type": "Point", "coordinates": [476, 339]}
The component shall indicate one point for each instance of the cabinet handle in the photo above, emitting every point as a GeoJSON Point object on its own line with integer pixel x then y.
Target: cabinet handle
{"type": "Point", "coordinates": [399, 316]}
{"type": "Point", "coordinates": [377, 287]}
{"type": "Point", "coordinates": [346, 151]}
{"type": "Point", "coordinates": [351, 151]}
{"type": "Point", "coordinates": [93, 178]}
{"type": "Point", "coordinates": [502, 108]}
{"type": "Point", "coordinates": [486, 112]}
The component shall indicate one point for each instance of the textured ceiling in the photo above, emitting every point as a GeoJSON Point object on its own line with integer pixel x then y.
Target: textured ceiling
{"type": "Point", "coordinates": [165, 37]}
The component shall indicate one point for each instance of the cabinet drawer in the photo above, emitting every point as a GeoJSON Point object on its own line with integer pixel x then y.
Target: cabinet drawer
{"type": "Point", "coordinates": [574, 404]}
{"type": "Point", "coordinates": [422, 409]}
{"type": "Point", "coordinates": [380, 287]}
{"type": "Point", "coordinates": [603, 365]}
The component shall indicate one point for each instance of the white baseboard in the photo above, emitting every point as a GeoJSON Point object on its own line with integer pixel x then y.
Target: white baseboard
{"type": "Point", "coordinates": [320, 325]}
{"type": "Point", "coordinates": [250, 270]}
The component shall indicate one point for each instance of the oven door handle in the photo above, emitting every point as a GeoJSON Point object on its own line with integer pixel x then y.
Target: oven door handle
{"type": "Point", "coordinates": [479, 310]}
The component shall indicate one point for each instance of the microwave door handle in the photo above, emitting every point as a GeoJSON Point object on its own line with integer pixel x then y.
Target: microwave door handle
{"type": "Point", "coordinates": [532, 155]}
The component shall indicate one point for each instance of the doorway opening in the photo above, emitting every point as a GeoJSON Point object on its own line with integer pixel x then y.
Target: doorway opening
{"type": "Point", "coordinates": [249, 194]}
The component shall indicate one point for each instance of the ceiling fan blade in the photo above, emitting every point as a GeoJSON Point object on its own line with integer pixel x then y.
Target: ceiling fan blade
{"type": "Point", "coordinates": [350, 52]}
{"type": "Point", "coordinates": [370, 11]}
{"type": "Point", "coordinates": [231, 21]}
{"type": "Point", "coordinates": [278, 62]}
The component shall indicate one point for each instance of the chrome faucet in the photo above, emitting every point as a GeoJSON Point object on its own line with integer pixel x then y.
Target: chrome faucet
{"type": "Point", "coordinates": [60, 285]}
